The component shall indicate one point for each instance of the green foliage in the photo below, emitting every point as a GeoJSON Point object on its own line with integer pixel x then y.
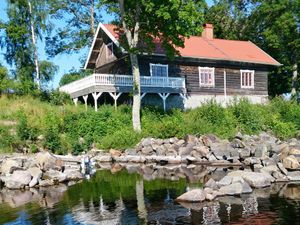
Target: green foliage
{"type": "Point", "coordinates": [24, 130]}
{"type": "Point", "coordinates": [72, 76]}
{"type": "Point", "coordinates": [52, 133]}
{"type": "Point", "coordinates": [72, 129]}
{"type": "Point", "coordinates": [59, 98]}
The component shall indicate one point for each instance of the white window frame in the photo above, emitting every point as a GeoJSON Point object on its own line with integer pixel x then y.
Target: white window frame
{"type": "Point", "coordinates": [112, 50]}
{"type": "Point", "coordinates": [160, 65]}
{"type": "Point", "coordinates": [252, 72]}
{"type": "Point", "coordinates": [200, 68]}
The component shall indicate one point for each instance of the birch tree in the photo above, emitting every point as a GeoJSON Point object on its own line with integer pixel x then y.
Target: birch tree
{"type": "Point", "coordinates": [143, 21]}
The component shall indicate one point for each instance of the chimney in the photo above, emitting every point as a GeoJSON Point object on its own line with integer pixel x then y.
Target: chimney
{"type": "Point", "coordinates": [208, 31]}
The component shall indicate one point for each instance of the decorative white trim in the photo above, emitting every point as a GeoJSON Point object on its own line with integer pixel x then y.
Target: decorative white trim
{"type": "Point", "coordinates": [252, 73]}
{"type": "Point", "coordinates": [92, 46]}
{"type": "Point", "coordinates": [161, 65]}
{"type": "Point", "coordinates": [112, 50]}
{"type": "Point", "coordinates": [200, 68]}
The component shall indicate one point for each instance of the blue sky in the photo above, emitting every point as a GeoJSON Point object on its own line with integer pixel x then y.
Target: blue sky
{"type": "Point", "coordinates": [65, 61]}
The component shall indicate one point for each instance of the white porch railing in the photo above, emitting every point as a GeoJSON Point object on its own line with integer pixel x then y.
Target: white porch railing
{"type": "Point", "coordinates": [122, 80]}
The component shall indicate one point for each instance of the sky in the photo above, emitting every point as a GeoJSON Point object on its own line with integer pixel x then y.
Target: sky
{"type": "Point", "coordinates": [65, 62]}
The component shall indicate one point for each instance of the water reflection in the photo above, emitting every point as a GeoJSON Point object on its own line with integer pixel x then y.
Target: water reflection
{"type": "Point", "coordinates": [144, 194]}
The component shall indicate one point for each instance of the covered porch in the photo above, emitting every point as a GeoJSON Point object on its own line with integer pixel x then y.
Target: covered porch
{"type": "Point", "coordinates": [115, 85]}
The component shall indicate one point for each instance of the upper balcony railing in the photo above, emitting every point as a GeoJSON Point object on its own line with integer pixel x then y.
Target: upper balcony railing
{"type": "Point", "coordinates": [123, 80]}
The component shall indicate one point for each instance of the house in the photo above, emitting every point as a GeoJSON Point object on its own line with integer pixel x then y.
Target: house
{"type": "Point", "coordinates": [207, 68]}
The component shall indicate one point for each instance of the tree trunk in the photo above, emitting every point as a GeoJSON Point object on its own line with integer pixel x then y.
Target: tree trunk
{"type": "Point", "coordinates": [142, 210]}
{"type": "Point", "coordinates": [294, 81]}
{"type": "Point", "coordinates": [36, 61]}
{"type": "Point", "coordinates": [136, 106]}
{"type": "Point", "coordinates": [92, 18]}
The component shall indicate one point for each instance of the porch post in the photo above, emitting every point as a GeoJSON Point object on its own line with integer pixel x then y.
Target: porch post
{"type": "Point", "coordinates": [75, 100]}
{"type": "Point", "coordinates": [85, 97]}
{"type": "Point", "coordinates": [115, 96]}
{"type": "Point", "coordinates": [164, 97]}
{"type": "Point", "coordinates": [96, 96]}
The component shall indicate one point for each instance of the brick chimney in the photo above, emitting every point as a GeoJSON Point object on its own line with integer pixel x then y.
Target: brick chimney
{"type": "Point", "coordinates": [208, 31]}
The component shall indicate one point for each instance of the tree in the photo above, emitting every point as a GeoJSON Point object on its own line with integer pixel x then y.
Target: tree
{"type": "Point", "coordinates": [72, 76]}
{"type": "Point", "coordinates": [5, 82]}
{"type": "Point", "coordinates": [20, 47]}
{"type": "Point", "coordinates": [229, 18]}
{"type": "Point", "coordinates": [143, 21]}
{"type": "Point", "coordinates": [275, 26]}
{"type": "Point", "coordinates": [80, 20]}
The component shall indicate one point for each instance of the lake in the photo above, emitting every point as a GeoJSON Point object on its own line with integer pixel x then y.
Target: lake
{"type": "Point", "coordinates": [145, 195]}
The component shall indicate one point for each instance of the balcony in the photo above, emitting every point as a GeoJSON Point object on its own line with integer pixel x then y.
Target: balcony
{"type": "Point", "coordinates": [123, 84]}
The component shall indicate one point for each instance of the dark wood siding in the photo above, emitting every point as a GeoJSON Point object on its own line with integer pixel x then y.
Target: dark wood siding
{"type": "Point", "coordinates": [189, 70]}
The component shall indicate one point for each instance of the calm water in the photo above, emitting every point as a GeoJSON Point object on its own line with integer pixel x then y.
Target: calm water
{"type": "Point", "coordinates": [141, 196]}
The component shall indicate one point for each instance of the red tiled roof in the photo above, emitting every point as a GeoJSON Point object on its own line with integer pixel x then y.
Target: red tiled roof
{"type": "Point", "coordinates": [218, 49]}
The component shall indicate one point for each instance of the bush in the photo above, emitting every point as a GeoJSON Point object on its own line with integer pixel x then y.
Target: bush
{"type": "Point", "coordinates": [8, 141]}
{"type": "Point", "coordinates": [52, 133]}
{"type": "Point", "coordinates": [24, 131]}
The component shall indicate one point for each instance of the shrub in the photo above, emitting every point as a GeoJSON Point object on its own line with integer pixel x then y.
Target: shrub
{"type": "Point", "coordinates": [24, 131]}
{"type": "Point", "coordinates": [7, 140]}
{"type": "Point", "coordinates": [52, 133]}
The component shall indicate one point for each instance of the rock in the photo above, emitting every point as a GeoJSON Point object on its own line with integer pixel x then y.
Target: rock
{"type": "Point", "coordinates": [221, 150]}
{"type": "Point", "coordinates": [212, 158]}
{"type": "Point", "coordinates": [246, 188]}
{"type": "Point", "coordinates": [195, 195]}
{"type": "Point", "coordinates": [294, 176]}
{"type": "Point", "coordinates": [102, 158]}
{"type": "Point", "coordinates": [232, 189]}
{"type": "Point", "coordinates": [180, 142]}
{"type": "Point", "coordinates": [160, 151]}
{"type": "Point", "coordinates": [130, 151]}
{"type": "Point", "coordinates": [191, 139]}
{"type": "Point", "coordinates": [261, 151]}
{"type": "Point", "coordinates": [225, 181]}
{"type": "Point", "coordinates": [46, 161]}
{"type": "Point", "coordinates": [202, 150]}
{"type": "Point", "coordinates": [270, 169]}
{"type": "Point", "coordinates": [19, 179]}
{"type": "Point", "coordinates": [147, 150]}
{"type": "Point", "coordinates": [146, 142]}
{"type": "Point", "coordinates": [254, 179]}
{"type": "Point", "coordinates": [45, 183]}
{"type": "Point", "coordinates": [115, 153]}
{"type": "Point", "coordinates": [33, 182]}
{"type": "Point", "coordinates": [294, 151]}
{"type": "Point", "coordinates": [183, 151]}
{"type": "Point", "coordinates": [73, 175]}
{"type": "Point", "coordinates": [55, 175]}
{"type": "Point", "coordinates": [282, 168]}
{"type": "Point", "coordinates": [10, 165]}
{"type": "Point", "coordinates": [211, 183]}
{"type": "Point", "coordinates": [290, 162]}
{"type": "Point", "coordinates": [237, 143]}
{"type": "Point", "coordinates": [35, 172]}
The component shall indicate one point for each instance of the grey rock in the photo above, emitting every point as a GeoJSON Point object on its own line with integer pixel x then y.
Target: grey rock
{"type": "Point", "coordinates": [282, 168]}
{"type": "Point", "coordinates": [211, 183]}
{"type": "Point", "coordinates": [46, 161]}
{"type": "Point", "coordinates": [225, 181]}
{"type": "Point", "coordinates": [294, 176]}
{"type": "Point", "coordinates": [147, 150]}
{"type": "Point", "coordinates": [55, 176]}
{"type": "Point", "coordinates": [130, 151]}
{"type": "Point", "coordinates": [254, 179]}
{"type": "Point", "coordinates": [45, 183]}
{"type": "Point", "coordinates": [290, 162]}
{"type": "Point", "coordinates": [246, 188]}
{"type": "Point", "coordinates": [10, 165]}
{"type": "Point", "coordinates": [73, 175]}
{"type": "Point", "coordinates": [195, 195]}
{"type": "Point", "coordinates": [183, 151]}
{"type": "Point", "coordinates": [232, 189]}
{"type": "Point", "coordinates": [146, 142]}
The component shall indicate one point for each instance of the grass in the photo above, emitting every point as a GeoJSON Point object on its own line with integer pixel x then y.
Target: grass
{"type": "Point", "coordinates": [31, 123]}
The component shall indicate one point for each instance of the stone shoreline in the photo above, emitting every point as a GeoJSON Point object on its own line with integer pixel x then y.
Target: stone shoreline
{"type": "Point", "coordinates": [262, 155]}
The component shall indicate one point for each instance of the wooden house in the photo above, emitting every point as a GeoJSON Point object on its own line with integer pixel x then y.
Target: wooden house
{"type": "Point", "coordinates": [207, 68]}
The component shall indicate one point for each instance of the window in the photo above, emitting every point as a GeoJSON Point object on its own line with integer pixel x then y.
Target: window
{"type": "Point", "coordinates": [206, 76]}
{"type": "Point", "coordinates": [158, 70]}
{"type": "Point", "coordinates": [109, 50]}
{"type": "Point", "coordinates": [247, 78]}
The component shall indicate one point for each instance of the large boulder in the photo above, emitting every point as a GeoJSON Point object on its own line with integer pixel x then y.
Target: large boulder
{"type": "Point", "coordinates": [294, 176]}
{"type": "Point", "coordinates": [195, 195]}
{"type": "Point", "coordinates": [73, 175]}
{"type": "Point", "coordinates": [55, 175]}
{"type": "Point", "coordinates": [232, 189]}
{"type": "Point", "coordinates": [19, 179]}
{"type": "Point", "coordinates": [290, 162]}
{"type": "Point", "coordinates": [36, 174]}
{"type": "Point", "coordinates": [46, 161]}
{"type": "Point", "coordinates": [254, 179]}
{"type": "Point", "coordinates": [10, 165]}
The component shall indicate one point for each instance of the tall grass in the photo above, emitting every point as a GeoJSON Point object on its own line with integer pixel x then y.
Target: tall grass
{"type": "Point", "coordinates": [67, 128]}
